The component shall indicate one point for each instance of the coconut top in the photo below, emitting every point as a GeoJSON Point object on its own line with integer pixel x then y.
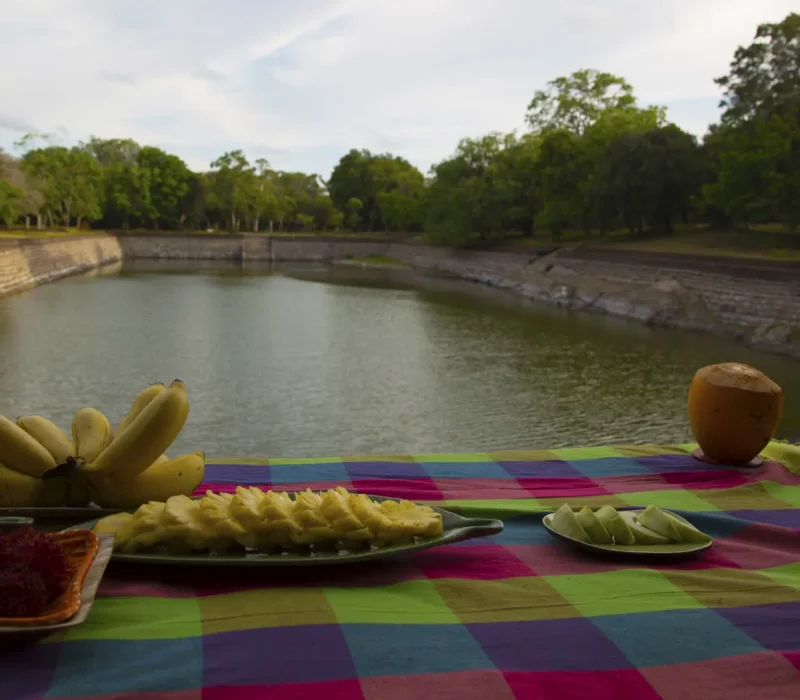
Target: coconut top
{"type": "Point", "coordinates": [738, 376]}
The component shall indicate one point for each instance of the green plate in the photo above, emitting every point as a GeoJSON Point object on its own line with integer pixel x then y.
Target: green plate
{"type": "Point", "coordinates": [674, 549]}
{"type": "Point", "coordinates": [456, 529]}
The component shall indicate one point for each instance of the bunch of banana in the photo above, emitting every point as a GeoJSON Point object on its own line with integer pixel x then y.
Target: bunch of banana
{"type": "Point", "coordinates": [42, 466]}
{"type": "Point", "coordinates": [252, 519]}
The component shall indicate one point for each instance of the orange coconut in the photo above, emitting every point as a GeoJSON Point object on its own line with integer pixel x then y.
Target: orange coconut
{"type": "Point", "coordinates": [734, 411]}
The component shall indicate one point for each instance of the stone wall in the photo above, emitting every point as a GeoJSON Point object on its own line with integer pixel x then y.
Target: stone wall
{"type": "Point", "coordinates": [26, 263]}
{"type": "Point", "coordinates": [757, 302]}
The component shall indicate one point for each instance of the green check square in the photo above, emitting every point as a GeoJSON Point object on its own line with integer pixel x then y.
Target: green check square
{"type": "Point", "coordinates": [407, 603]}
{"type": "Point", "coordinates": [577, 453]}
{"type": "Point", "coordinates": [277, 607]}
{"type": "Point", "coordinates": [732, 588]}
{"type": "Point", "coordinates": [523, 456]}
{"type": "Point", "coordinates": [140, 618]}
{"type": "Point", "coordinates": [309, 460]}
{"type": "Point", "coordinates": [650, 450]}
{"type": "Point", "coordinates": [509, 600]}
{"type": "Point", "coordinates": [622, 592]}
{"type": "Point", "coordinates": [591, 501]}
{"type": "Point", "coordinates": [671, 499]}
{"type": "Point", "coordinates": [500, 508]}
{"type": "Point", "coordinates": [787, 575]}
{"type": "Point", "coordinates": [475, 457]}
{"type": "Point", "coordinates": [749, 496]}
{"type": "Point", "coordinates": [790, 495]}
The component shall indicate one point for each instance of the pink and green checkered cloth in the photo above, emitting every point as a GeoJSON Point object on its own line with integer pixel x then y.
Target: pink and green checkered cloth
{"type": "Point", "coordinates": [518, 615]}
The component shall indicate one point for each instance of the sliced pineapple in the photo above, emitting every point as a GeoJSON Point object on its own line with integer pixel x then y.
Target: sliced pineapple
{"type": "Point", "coordinates": [269, 521]}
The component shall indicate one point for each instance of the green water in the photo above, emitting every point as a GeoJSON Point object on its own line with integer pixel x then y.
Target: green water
{"type": "Point", "coordinates": [314, 361]}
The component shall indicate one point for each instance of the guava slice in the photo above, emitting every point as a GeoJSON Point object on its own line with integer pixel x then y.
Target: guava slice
{"type": "Point", "coordinates": [593, 527]}
{"type": "Point", "coordinates": [619, 530]}
{"type": "Point", "coordinates": [642, 534]}
{"type": "Point", "coordinates": [655, 519]}
{"type": "Point", "coordinates": [566, 523]}
{"type": "Point", "coordinates": [689, 533]}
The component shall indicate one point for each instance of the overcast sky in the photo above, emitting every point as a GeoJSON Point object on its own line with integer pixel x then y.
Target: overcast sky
{"type": "Point", "coordinates": [302, 81]}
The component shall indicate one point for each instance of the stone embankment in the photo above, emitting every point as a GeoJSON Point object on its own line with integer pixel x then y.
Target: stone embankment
{"type": "Point", "coordinates": [29, 262]}
{"type": "Point", "coordinates": [755, 301]}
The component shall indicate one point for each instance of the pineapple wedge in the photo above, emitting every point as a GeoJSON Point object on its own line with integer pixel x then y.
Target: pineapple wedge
{"type": "Point", "coordinates": [267, 521]}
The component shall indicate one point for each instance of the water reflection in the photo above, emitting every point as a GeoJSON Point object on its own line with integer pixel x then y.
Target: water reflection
{"type": "Point", "coordinates": [307, 360]}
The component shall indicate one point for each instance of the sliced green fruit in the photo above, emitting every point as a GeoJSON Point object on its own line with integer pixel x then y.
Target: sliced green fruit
{"type": "Point", "coordinates": [566, 522]}
{"type": "Point", "coordinates": [689, 533]}
{"type": "Point", "coordinates": [642, 534]}
{"type": "Point", "coordinates": [655, 519]}
{"type": "Point", "coordinates": [593, 527]}
{"type": "Point", "coordinates": [614, 524]}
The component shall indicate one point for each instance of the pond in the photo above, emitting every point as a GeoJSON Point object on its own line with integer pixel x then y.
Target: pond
{"type": "Point", "coordinates": [313, 361]}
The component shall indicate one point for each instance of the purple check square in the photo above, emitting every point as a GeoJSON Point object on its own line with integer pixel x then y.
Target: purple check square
{"type": "Point", "coordinates": [275, 655]}
{"type": "Point", "coordinates": [548, 645]}
{"type": "Point", "coordinates": [26, 671]}
{"type": "Point", "coordinates": [245, 474]}
{"type": "Point", "coordinates": [308, 473]}
{"type": "Point", "coordinates": [465, 470]}
{"type": "Point", "coordinates": [789, 517]}
{"type": "Point", "coordinates": [548, 469]}
{"type": "Point", "coordinates": [775, 626]}
{"type": "Point", "coordinates": [609, 466]}
{"type": "Point", "coordinates": [386, 470]}
{"type": "Point", "coordinates": [671, 463]}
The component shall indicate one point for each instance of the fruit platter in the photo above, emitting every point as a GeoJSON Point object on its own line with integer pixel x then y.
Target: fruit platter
{"type": "Point", "coordinates": [633, 531]}
{"type": "Point", "coordinates": [252, 527]}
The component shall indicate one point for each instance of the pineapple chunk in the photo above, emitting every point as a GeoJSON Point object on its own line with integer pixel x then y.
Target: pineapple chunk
{"type": "Point", "coordinates": [268, 521]}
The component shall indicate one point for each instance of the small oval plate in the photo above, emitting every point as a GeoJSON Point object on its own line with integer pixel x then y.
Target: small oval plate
{"type": "Point", "coordinates": [673, 549]}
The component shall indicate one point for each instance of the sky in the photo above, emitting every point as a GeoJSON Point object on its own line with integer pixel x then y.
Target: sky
{"type": "Point", "coordinates": [300, 82]}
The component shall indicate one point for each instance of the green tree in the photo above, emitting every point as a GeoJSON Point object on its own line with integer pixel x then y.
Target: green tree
{"type": "Point", "coordinates": [764, 77]}
{"type": "Point", "coordinates": [167, 181]}
{"type": "Point", "coordinates": [470, 192]}
{"type": "Point", "coordinates": [71, 181]}
{"type": "Point", "coordinates": [229, 182]}
{"type": "Point", "coordinates": [576, 101]}
{"type": "Point", "coordinates": [651, 176]}
{"type": "Point", "coordinates": [756, 149]}
{"type": "Point", "coordinates": [370, 178]}
{"type": "Point", "coordinates": [561, 175]}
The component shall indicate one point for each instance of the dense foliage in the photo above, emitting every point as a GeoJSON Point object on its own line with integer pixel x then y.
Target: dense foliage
{"type": "Point", "coordinates": [593, 160]}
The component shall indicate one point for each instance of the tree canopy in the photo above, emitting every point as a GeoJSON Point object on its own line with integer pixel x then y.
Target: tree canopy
{"type": "Point", "coordinates": [593, 159]}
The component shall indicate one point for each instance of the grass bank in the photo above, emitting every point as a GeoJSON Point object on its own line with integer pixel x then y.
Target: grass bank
{"type": "Point", "coordinates": [763, 243]}
{"type": "Point", "coordinates": [375, 261]}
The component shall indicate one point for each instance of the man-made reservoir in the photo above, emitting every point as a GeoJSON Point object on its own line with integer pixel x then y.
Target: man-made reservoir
{"type": "Point", "coordinates": [305, 360]}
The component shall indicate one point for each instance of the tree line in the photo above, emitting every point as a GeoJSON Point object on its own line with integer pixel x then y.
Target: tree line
{"type": "Point", "coordinates": [592, 159]}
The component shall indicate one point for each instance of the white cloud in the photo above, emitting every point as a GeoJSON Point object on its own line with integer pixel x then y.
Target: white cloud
{"type": "Point", "coordinates": [307, 80]}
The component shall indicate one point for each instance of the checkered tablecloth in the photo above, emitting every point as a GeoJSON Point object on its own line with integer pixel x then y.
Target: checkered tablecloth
{"type": "Point", "coordinates": [518, 615]}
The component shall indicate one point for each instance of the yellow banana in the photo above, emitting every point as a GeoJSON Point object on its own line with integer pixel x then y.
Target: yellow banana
{"type": "Point", "coordinates": [25, 491]}
{"type": "Point", "coordinates": [162, 479]}
{"type": "Point", "coordinates": [22, 453]}
{"type": "Point", "coordinates": [139, 404]}
{"type": "Point", "coordinates": [145, 439]}
{"type": "Point", "coordinates": [91, 432]}
{"type": "Point", "coordinates": [49, 435]}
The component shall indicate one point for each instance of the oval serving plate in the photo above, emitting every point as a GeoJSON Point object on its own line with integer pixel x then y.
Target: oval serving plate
{"type": "Point", "coordinates": [456, 529]}
{"type": "Point", "coordinates": [673, 549]}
